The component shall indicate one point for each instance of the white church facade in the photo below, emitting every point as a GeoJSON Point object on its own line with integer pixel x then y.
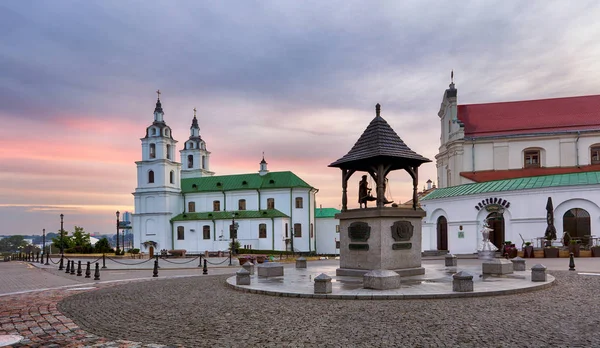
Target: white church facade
{"type": "Point", "coordinates": [499, 162]}
{"type": "Point", "coordinates": [184, 205]}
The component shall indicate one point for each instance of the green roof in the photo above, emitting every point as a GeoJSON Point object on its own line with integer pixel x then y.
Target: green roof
{"type": "Point", "coordinates": [558, 180]}
{"type": "Point", "coordinates": [226, 215]}
{"type": "Point", "coordinates": [254, 181]}
{"type": "Point", "coordinates": [326, 212]}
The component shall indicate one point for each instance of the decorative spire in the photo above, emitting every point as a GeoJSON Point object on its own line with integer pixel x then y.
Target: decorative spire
{"type": "Point", "coordinates": [452, 80]}
{"type": "Point", "coordinates": [263, 166]}
{"type": "Point", "coordinates": [195, 120]}
{"type": "Point", "coordinates": [158, 107]}
{"type": "Point", "coordinates": [263, 159]}
{"type": "Point", "coordinates": [378, 110]}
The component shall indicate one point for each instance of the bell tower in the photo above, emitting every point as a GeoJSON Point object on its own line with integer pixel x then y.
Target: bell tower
{"type": "Point", "coordinates": [158, 189]}
{"type": "Point", "coordinates": [194, 156]}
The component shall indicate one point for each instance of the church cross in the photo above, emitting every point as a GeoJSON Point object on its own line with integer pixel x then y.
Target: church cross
{"type": "Point", "coordinates": [194, 112]}
{"type": "Point", "coordinates": [158, 92]}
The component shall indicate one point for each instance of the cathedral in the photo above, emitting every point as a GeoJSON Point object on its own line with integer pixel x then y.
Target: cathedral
{"type": "Point", "coordinates": [184, 205]}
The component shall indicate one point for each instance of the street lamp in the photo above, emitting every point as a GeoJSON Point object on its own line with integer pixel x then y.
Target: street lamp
{"type": "Point", "coordinates": [233, 231]}
{"type": "Point", "coordinates": [43, 241]}
{"type": "Point", "coordinates": [292, 235]}
{"type": "Point", "coordinates": [117, 252]}
{"type": "Point", "coordinates": [62, 244]}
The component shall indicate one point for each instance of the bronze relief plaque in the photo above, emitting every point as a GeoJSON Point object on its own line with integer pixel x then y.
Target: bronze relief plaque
{"type": "Point", "coordinates": [361, 247]}
{"type": "Point", "coordinates": [401, 246]}
{"type": "Point", "coordinates": [359, 231]}
{"type": "Point", "coordinates": [402, 231]}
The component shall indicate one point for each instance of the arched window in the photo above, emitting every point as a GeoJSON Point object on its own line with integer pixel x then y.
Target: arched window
{"type": "Point", "coordinates": [151, 177]}
{"type": "Point", "coordinates": [442, 233]}
{"type": "Point", "coordinates": [191, 145]}
{"type": "Point", "coordinates": [190, 161]}
{"type": "Point", "coordinates": [206, 232]}
{"type": "Point", "coordinates": [297, 231]}
{"type": "Point", "coordinates": [532, 158]}
{"type": "Point", "coordinates": [166, 132]}
{"type": "Point", "coordinates": [595, 154]}
{"type": "Point", "coordinates": [286, 231]}
{"type": "Point", "coordinates": [168, 151]}
{"type": "Point", "coordinates": [270, 203]}
{"type": "Point", "coordinates": [172, 177]}
{"type": "Point", "coordinates": [191, 207]}
{"type": "Point", "coordinates": [216, 206]}
{"type": "Point", "coordinates": [242, 204]}
{"type": "Point", "coordinates": [153, 150]}
{"type": "Point", "coordinates": [203, 162]}
{"type": "Point", "coordinates": [180, 233]}
{"type": "Point", "coordinates": [262, 231]}
{"type": "Point", "coordinates": [153, 131]}
{"type": "Point", "coordinates": [577, 223]}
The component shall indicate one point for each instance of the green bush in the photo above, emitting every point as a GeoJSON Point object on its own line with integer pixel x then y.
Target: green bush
{"type": "Point", "coordinates": [134, 251]}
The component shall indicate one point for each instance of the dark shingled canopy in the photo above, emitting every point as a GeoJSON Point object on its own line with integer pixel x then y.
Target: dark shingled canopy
{"type": "Point", "coordinates": [378, 151]}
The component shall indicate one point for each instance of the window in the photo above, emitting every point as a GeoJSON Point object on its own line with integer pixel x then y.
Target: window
{"type": "Point", "coordinates": [297, 230]}
{"type": "Point", "coordinates": [204, 162]}
{"type": "Point", "coordinates": [180, 233]}
{"type": "Point", "coordinates": [532, 158]}
{"type": "Point", "coordinates": [216, 206]}
{"type": "Point", "coordinates": [190, 161]}
{"type": "Point", "coordinates": [206, 232]}
{"type": "Point", "coordinates": [152, 150]}
{"type": "Point", "coordinates": [337, 228]}
{"type": "Point", "coordinates": [262, 231]}
{"type": "Point", "coordinates": [168, 151]}
{"type": "Point", "coordinates": [270, 203]}
{"type": "Point", "coordinates": [151, 177]}
{"type": "Point", "coordinates": [166, 132]}
{"type": "Point", "coordinates": [191, 207]}
{"type": "Point", "coordinates": [153, 131]}
{"type": "Point", "coordinates": [299, 202]}
{"type": "Point", "coordinates": [312, 231]}
{"type": "Point", "coordinates": [595, 154]}
{"type": "Point", "coordinates": [242, 204]}
{"type": "Point", "coordinates": [171, 177]}
{"type": "Point", "coordinates": [286, 230]}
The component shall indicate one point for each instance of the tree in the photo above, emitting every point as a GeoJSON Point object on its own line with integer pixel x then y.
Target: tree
{"type": "Point", "coordinates": [12, 243]}
{"type": "Point", "coordinates": [80, 238]}
{"type": "Point", "coordinates": [66, 241]}
{"type": "Point", "coordinates": [102, 246]}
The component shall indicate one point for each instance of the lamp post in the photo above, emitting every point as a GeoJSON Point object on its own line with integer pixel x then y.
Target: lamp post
{"type": "Point", "coordinates": [292, 235]}
{"type": "Point", "coordinates": [62, 243]}
{"type": "Point", "coordinates": [233, 231]}
{"type": "Point", "coordinates": [43, 241]}
{"type": "Point", "coordinates": [117, 251]}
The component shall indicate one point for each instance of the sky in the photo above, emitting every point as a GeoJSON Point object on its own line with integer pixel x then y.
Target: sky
{"type": "Point", "coordinates": [297, 80]}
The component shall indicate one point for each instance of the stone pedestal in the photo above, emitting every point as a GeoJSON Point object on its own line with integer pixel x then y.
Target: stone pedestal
{"type": "Point", "coordinates": [249, 266]}
{"type": "Point", "coordinates": [486, 255]}
{"type": "Point", "coordinates": [450, 260]}
{"type": "Point", "coordinates": [270, 269]}
{"type": "Point", "coordinates": [462, 282]}
{"type": "Point", "coordinates": [380, 239]}
{"type": "Point", "coordinates": [381, 279]}
{"type": "Point", "coordinates": [242, 277]}
{"type": "Point", "coordinates": [497, 266]}
{"type": "Point", "coordinates": [538, 273]}
{"type": "Point", "coordinates": [301, 262]}
{"type": "Point", "coordinates": [518, 264]}
{"type": "Point", "coordinates": [322, 284]}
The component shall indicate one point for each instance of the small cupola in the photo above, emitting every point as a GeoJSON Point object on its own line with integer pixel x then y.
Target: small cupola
{"type": "Point", "coordinates": [263, 166]}
{"type": "Point", "coordinates": [429, 182]}
{"type": "Point", "coordinates": [158, 111]}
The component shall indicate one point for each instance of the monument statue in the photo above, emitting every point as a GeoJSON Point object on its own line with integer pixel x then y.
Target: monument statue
{"type": "Point", "coordinates": [487, 249]}
{"type": "Point", "coordinates": [364, 192]}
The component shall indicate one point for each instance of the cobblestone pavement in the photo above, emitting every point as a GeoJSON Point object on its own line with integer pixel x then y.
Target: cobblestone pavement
{"type": "Point", "coordinates": [203, 312]}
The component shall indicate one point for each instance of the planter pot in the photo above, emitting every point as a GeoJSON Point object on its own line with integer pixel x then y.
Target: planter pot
{"type": "Point", "coordinates": [574, 248]}
{"type": "Point", "coordinates": [512, 252]}
{"type": "Point", "coordinates": [595, 251]}
{"type": "Point", "coordinates": [242, 260]}
{"type": "Point", "coordinates": [528, 252]}
{"type": "Point", "coordinates": [550, 253]}
{"type": "Point", "coordinates": [260, 259]}
{"type": "Point", "coordinates": [538, 254]}
{"type": "Point", "coordinates": [585, 253]}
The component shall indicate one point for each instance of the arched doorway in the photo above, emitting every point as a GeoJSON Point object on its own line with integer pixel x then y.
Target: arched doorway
{"type": "Point", "coordinates": [151, 251]}
{"type": "Point", "coordinates": [442, 233]}
{"type": "Point", "coordinates": [496, 222]}
{"type": "Point", "coordinates": [577, 222]}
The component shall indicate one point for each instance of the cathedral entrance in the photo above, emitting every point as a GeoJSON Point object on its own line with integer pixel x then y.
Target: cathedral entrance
{"type": "Point", "coordinates": [151, 251]}
{"type": "Point", "coordinates": [496, 222]}
{"type": "Point", "coordinates": [442, 233]}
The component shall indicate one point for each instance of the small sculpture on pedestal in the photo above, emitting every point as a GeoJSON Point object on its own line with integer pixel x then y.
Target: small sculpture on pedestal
{"type": "Point", "coordinates": [487, 249]}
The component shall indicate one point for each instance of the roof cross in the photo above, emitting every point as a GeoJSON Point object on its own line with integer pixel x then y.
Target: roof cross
{"type": "Point", "coordinates": [158, 92]}
{"type": "Point", "coordinates": [194, 112]}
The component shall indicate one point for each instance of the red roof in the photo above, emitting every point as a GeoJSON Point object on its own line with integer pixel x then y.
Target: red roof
{"type": "Point", "coordinates": [492, 175]}
{"type": "Point", "coordinates": [531, 116]}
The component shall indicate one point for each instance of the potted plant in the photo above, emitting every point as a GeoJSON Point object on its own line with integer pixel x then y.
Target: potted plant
{"type": "Point", "coordinates": [595, 251]}
{"type": "Point", "coordinates": [574, 247]}
{"type": "Point", "coordinates": [528, 250]}
{"type": "Point", "coordinates": [550, 252]}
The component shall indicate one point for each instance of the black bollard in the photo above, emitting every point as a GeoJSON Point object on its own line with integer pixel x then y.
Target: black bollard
{"type": "Point", "coordinates": [571, 262]}
{"type": "Point", "coordinates": [73, 267]}
{"type": "Point", "coordinates": [200, 261]}
{"type": "Point", "coordinates": [155, 271]}
{"type": "Point", "coordinates": [47, 259]}
{"type": "Point", "coordinates": [60, 265]}
{"type": "Point", "coordinates": [87, 270]}
{"type": "Point", "coordinates": [37, 257]}
{"type": "Point", "coordinates": [79, 268]}
{"type": "Point", "coordinates": [68, 267]}
{"type": "Point", "coordinates": [41, 260]}
{"type": "Point", "coordinates": [204, 269]}
{"type": "Point", "coordinates": [97, 272]}
{"type": "Point", "coordinates": [103, 261]}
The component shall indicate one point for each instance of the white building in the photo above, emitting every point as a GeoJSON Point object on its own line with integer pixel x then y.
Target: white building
{"type": "Point", "coordinates": [501, 161]}
{"type": "Point", "coordinates": [191, 208]}
{"type": "Point", "coordinates": [327, 231]}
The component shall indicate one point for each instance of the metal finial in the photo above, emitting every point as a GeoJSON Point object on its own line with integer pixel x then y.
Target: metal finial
{"type": "Point", "coordinates": [377, 110]}
{"type": "Point", "coordinates": [158, 92]}
{"type": "Point", "coordinates": [194, 112]}
{"type": "Point", "coordinates": [452, 76]}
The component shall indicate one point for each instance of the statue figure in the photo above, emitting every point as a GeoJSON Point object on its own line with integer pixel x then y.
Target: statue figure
{"type": "Point", "coordinates": [485, 242]}
{"type": "Point", "coordinates": [364, 192]}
